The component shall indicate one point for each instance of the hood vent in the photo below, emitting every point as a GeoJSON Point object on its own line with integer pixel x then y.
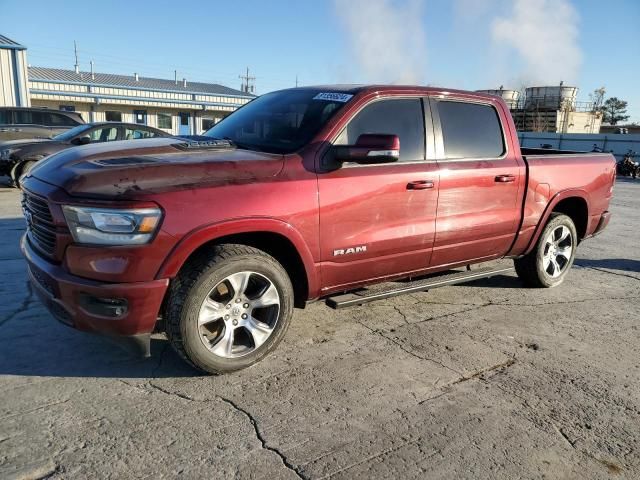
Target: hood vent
{"type": "Point", "coordinates": [120, 162]}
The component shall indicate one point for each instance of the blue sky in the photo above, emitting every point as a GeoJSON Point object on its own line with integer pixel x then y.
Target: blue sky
{"type": "Point", "coordinates": [469, 44]}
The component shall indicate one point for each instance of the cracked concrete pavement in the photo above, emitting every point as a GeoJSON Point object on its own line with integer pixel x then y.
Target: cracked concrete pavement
{"type": "Point", "coordinates": [485, 380]}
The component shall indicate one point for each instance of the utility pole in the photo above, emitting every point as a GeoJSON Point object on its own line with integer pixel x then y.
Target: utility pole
{"type": "Point", "coordinates": [247, 80]}
{"type": "Point", "coordinates": [296, 81]}
{"type": "Point", "coordinates": [75, 51]}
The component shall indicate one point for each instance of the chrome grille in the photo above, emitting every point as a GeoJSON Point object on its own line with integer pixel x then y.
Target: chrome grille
{"type": "Point", "coordinates": [40, 224]}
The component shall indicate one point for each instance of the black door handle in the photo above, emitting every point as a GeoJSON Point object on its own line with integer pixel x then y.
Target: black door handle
{"type": "Point", "coordinates": [420, 185]}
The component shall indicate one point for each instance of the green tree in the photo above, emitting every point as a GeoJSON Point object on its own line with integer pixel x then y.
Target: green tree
{"type": "Point", "coordinates": [614, 110]}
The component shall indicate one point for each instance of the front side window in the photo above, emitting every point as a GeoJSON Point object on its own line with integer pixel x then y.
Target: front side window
{"type": "Point", "coordinates": [401, 117]}
{"type": "Point", "coordinates": [164, 120]}
{"type": "Point", "coordinates": [105, 134]}
{"type": "Point", "coordinates": [113, 116]}
{"type": "Point", "coordinates": [280, 122]}
{"type": "Point", "coordinates": [470, 130]}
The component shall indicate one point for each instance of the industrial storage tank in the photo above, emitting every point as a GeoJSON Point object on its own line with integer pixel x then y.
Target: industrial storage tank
{"type": "Point", "coordinates": [557, 97]}
{"type": "Point", "coordinates": [511, 97]}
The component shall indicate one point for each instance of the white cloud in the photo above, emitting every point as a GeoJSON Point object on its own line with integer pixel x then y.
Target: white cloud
{"type": "Point", "coordinates": [544, 35]}
{"type": "Point", "coordinates": [386, 39]}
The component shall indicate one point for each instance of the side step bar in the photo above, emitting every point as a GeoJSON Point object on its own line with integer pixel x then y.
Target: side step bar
{"type": "Point", "coordinates": [394, 289]}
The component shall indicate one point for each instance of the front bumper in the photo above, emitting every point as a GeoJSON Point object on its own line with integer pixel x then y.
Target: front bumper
{"type": "Point", "coordinates": [61, 293]}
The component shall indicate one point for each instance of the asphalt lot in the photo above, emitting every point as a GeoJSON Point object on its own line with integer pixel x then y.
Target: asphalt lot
{"type": "Point", "coordinates": [486, 380]}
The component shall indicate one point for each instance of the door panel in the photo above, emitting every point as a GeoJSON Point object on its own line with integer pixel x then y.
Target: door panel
{"type": "Point", "coordinates": [478, 207]}
{"type": "Point", "coordinates": [477, 216]}
{"type": "Point", "coordinates": [373, 207]}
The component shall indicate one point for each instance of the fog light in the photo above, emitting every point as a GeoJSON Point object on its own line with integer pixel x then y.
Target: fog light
{"type": "Point", "coordinates": [104, 307]}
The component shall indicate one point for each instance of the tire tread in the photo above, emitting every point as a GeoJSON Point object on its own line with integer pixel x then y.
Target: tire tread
{"type": "Point", "coordinates": [187, 278]}
{"type": "Point", "coordinates": [527, 268]}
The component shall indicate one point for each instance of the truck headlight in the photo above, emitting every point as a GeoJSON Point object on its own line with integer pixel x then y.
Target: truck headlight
{"type": "Point", "coordinates": [112, 226]}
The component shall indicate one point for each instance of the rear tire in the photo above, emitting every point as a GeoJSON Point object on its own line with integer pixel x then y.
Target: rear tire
{"type": "Point", "coordinates": [228, 308]}
{"type": "Point", "coordinates": [552, 257]}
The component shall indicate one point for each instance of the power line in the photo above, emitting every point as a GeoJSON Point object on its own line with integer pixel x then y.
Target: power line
{"type": "Point", "coordinates": [42, 51]}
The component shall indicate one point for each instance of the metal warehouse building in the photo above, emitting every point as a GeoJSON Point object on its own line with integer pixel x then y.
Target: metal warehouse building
{"type": "Point", "coordinates": [176, 106]}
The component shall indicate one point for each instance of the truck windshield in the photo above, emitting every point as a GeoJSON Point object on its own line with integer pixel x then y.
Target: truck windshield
{"type": "Point", "coordinates": [69, 134]}
{"type": "Point", "coordinates": [280, 122]}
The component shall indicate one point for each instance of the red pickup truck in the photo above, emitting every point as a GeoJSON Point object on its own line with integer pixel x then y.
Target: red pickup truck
{"type": "Point", "coordinates": [302, 194]}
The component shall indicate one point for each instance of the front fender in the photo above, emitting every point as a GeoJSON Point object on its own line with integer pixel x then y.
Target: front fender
{"type": "Point", "coordinates": [196, 238]}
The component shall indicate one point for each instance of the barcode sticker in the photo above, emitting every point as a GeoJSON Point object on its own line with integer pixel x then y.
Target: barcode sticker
{"type": "Point", "coordinates": [333, 96]}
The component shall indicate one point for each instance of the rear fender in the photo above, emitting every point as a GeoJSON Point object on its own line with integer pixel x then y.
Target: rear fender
{"type": "Point", "coordinates": [557, 198]}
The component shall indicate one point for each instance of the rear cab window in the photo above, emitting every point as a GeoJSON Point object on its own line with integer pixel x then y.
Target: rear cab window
{"type": "Point", "coordinates": [403, 117]}
{"type": "Point", "coordinates": [470, 130]}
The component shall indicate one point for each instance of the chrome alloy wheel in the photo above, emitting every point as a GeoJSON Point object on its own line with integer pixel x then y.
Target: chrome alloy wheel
{"type": "Point", "coordinates": [239, 314]}
{"type": "Point", "coordinates": [558, 247]}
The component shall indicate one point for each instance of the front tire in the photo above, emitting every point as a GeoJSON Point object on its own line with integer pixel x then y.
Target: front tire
{"type": "Point", "coordinates": [548, 263]}
{"type": "Point", "coordinates": [229, 308]}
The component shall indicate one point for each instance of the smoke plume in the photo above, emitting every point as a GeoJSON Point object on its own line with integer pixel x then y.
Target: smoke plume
{"type": "Point", "coordinates": [386, 39]}
{"type": "Point", "coordinates": [544, 35]}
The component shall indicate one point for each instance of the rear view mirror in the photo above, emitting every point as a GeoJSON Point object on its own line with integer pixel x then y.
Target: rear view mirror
{"type": "Point", "coordinates": [81, 140]}
{"type": "Point", "coordinates": [370, 149]}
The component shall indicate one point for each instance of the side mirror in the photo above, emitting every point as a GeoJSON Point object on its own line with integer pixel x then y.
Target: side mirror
{"type": "Point", "coordinates": [81, 140]}
{"type": "Point", "coordinates": [370, 149]}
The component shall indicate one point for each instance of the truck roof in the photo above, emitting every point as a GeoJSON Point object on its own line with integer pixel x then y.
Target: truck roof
{"type": "Point", "coordinates": [359, 88]}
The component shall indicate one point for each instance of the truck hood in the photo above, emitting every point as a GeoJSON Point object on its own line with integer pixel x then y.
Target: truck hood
{"type": "Point", "coordinates": [133, 169]}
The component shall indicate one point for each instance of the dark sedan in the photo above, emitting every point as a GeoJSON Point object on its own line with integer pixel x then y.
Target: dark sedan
{"type": "Point", "coordinates": [18, 156]}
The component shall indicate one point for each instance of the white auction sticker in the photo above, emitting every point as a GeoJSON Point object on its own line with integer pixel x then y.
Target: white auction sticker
{"type": "Point", "coordinates": [333, 96]}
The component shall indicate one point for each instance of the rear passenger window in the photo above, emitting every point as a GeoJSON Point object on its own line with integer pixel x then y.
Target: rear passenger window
{"type": "Point", "coordinates": [4, 117]}
{"type": "Point", "coordinates": [470, 130]}
{"type": "Point", "coordinates": [137, 133]}
{"type": "Point", "coordinates": [401, 117]}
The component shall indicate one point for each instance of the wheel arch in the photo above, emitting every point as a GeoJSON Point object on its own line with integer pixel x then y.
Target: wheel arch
{"type": "Point", "coordinates": [574, 204]}
{"type": "Point", "coordinates": [277, 238]}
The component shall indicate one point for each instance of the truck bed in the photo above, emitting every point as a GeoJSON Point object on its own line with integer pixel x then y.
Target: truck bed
{"type": "Point", "coordinates": [527, 151]}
